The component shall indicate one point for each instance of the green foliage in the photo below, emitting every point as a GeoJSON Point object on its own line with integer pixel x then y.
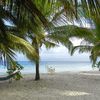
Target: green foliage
{"type": "Point", "coordinates": [14, 66]}
{"type": "Point", "coordinates": [93, 45]}
{"type": "Point", "coordinates": [97, 65]}
{"type": "Point", "coordinates": [81, 48]}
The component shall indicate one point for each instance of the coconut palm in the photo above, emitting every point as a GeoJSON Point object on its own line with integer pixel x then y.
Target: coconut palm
{"type": "Point", "coordinates": [37, 33]}
{"type": "Point", "coordinates": [89, 9]}
{"type": "Point", "coordinates": [14, 11]}
{"type": "Point", "coordinates": [9, 42]}
{"type": "Point", "coordinates": [13, 43]}
{"type": "Point", "coordinates": [92, 44]}
{"type": "Point", "coordinates": [50, 41]}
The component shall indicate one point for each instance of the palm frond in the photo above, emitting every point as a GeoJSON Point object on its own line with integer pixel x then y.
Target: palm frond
{"type": "Point", "coordinates": [97, 26]}
{"type": "Point", "coordinates": [72, 31]}
{"type": "Point", "coordinates": [19, 44]}
{"type": "Point", "coordinates": [81, 48]}
{"type": "Point", "coordinates": [49, 44]}
{"type": "Point", "coordinates": [60, 39]}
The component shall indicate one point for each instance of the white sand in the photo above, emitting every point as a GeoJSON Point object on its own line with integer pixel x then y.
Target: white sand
{"type": "Point", "coordinates": [60, 86]}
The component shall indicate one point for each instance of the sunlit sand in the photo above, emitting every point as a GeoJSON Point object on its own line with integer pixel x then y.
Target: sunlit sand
{"type": "Point", "coordinates": [58, 86]}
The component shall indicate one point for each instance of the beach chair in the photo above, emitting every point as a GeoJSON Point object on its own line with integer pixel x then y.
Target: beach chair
{"type": "Point", "coordinates": [9, 76]}
{"type": "Point", "coordinates": [50, 70]}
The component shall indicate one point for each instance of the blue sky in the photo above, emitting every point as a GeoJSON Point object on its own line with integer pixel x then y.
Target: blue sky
{"type": "Point", "coordinates": [58, 54]}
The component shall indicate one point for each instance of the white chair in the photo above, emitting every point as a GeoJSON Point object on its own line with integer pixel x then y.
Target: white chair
{"type": "Point", "coordinates": [50, 70]}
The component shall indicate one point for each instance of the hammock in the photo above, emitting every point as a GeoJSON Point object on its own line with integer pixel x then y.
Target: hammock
{"type": "Point", "coordinates": [9, 76]}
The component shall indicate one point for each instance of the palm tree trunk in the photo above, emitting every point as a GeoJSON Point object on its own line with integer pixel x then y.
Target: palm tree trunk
{"type": "Point", "coordinates": [37, 75]}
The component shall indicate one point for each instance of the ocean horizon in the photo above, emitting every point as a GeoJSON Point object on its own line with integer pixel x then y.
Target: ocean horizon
{"type": "Point", "coordinates": [60, 66]}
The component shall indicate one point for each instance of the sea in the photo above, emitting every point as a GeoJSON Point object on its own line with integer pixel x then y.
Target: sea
{"type": "Point", "coordinates": [59, 66]}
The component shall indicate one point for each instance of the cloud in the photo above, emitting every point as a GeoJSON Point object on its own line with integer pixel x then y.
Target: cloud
{"type": "Point", "coordinates": [58, 54]}
{"type": "Point", "coordinates": [61, 54]}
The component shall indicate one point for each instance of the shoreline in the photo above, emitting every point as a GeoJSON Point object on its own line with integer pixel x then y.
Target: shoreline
{"type": "Point", "coordinates": [59, 72]}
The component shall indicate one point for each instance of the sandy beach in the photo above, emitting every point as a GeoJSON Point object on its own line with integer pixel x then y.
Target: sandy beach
{"type": "Point", "coordinates": [59, 86]}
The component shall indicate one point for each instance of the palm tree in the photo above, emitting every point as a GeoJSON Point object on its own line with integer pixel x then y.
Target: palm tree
{"type": "Point", "coordinates": [91, 10]}
{"type": "Point", "coordinates": [50, 41]}
{"type": "Point", "coordinates": [37, 33]}
{"type": "Point", "coordinates": [87, 9]}
{"type": "Point", "coordinates": [9, 42]}
{"type": "Point", "coordinates": [92, 43]}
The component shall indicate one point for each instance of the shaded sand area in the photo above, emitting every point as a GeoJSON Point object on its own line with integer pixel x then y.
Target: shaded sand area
{"type": "Point", "coordinates": [60, 86]}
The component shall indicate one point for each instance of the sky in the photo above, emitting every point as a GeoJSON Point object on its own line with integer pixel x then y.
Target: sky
{"type": "Point", "coordinates": [58, 54]}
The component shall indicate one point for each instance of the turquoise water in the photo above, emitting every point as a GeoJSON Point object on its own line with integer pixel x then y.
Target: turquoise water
{"type": "Point", "coordinates": [59, 66]}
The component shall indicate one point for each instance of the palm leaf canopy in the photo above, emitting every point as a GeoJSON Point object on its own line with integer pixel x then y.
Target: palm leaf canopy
{"type": "Point", "coordinates": [20, 7]}
{"type": "Point", "coordinates": [13, 44]}
{"type": "Point", "coordinates": [93, 45]}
